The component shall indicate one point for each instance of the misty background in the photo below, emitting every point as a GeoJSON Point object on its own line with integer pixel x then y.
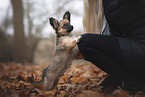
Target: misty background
{"type": "Point", "coordinates": [25, 32]}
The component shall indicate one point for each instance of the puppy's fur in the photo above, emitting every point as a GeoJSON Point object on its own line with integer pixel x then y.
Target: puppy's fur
{"type": "Point", "coordinates": [64, 54]}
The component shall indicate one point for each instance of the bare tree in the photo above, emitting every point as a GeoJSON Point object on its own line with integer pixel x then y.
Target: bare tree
{"type": "Point", "coordinates": [19, 36]}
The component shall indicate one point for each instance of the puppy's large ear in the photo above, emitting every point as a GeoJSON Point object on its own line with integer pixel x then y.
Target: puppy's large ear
{"type": "Point", "coordinates": [67, 15]}
{"type": "Point", "coordinates": [54, 23]}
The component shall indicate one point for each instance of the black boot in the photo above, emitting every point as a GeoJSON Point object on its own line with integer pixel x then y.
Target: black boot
{"type": "Point", "coordinates": [109, 85]}
{"type": "Point", "coordinates": [133, 85]}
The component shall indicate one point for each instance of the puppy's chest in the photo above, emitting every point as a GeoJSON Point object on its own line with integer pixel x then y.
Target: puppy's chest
{"type": "Point", "coordinates": [66, 42]}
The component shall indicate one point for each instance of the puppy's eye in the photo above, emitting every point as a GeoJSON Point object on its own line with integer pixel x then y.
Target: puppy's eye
{"type": "Point", "coordinates": [64, 25]}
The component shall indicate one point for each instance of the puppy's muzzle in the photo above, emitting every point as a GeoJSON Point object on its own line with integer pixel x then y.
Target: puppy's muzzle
{"type": "Point", "coordinates": [69, 28]}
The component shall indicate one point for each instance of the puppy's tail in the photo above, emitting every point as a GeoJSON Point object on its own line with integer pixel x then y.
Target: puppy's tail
{"type": "Point", "coordinates": [42, 80]}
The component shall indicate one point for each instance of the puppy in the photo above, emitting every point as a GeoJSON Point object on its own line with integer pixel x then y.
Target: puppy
{"type": "Point", "coordinates": [65, 52]}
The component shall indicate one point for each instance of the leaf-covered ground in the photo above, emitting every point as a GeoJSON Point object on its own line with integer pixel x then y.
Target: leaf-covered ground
{"type": "Point", "coordinates": [80, 80]}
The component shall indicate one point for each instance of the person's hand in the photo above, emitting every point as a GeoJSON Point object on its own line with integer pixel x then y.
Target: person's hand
{"type": "Point", "coordinates": [80, 56]}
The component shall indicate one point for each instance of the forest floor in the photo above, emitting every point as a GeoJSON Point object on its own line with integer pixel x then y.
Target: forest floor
{"type": "Point", "coordinates": [80, 80]}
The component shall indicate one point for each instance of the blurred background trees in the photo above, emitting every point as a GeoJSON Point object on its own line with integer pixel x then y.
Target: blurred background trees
{"type": "Point", "coordinates": [25, 33]}
{"type": "Point", "coordinates": [19, 43]}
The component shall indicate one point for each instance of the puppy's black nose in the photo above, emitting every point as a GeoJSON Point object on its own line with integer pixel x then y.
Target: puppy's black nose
{"type": "Point", "coordinates": [69, 28]}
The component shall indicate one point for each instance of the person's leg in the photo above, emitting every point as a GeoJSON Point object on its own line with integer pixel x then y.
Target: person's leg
{"type": "Point", "coordinates": [104, 51]}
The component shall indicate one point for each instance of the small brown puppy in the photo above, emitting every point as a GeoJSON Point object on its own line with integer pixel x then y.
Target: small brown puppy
{"type": "Point", "coordinates": [65, 52]}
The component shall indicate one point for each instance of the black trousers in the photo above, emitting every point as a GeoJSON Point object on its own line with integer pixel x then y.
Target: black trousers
{"type": "Point", "coordinates": [104, 51]}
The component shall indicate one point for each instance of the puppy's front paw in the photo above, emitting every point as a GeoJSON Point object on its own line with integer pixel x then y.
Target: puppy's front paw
{"type": "Point", "coordinates": [78, 39]}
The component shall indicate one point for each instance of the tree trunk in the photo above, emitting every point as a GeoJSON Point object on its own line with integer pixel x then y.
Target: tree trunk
{"type": "Point", "coordinates": [19, 37]}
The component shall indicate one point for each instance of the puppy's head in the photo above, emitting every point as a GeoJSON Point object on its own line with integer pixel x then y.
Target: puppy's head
{"type": "Point", "coordinates": [62, 27]}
